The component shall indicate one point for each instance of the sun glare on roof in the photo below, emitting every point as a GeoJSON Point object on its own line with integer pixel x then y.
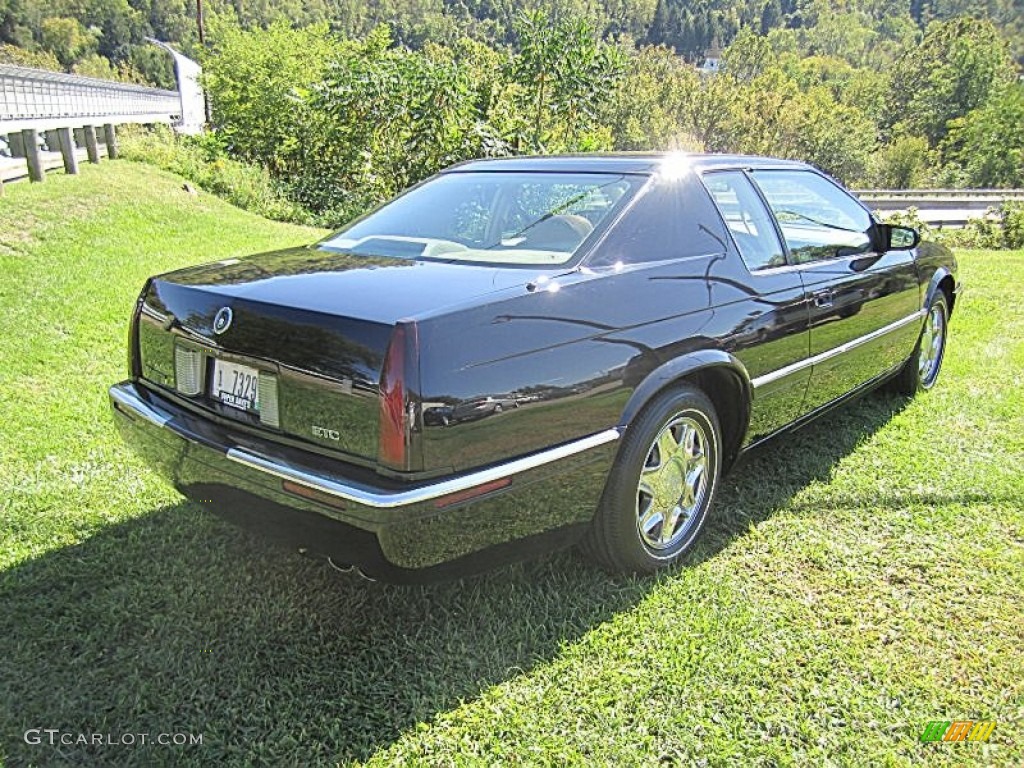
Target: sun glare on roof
{"type": "Point", "coordinates": [674, 166]}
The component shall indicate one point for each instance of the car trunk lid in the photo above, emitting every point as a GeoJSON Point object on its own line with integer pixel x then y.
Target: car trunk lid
{"type": "Point", "coordinates": [312, 328]}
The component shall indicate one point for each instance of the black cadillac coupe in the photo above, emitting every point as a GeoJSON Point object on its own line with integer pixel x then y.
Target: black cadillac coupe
{"type": "Point", "coordinates": [527, 353]}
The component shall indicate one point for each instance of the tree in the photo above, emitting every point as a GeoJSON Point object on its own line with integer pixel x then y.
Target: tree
{"type": "Point", "coordinates": [12, 54]}
{"type": "Point", "coordinates": [651, 107]}
{"type": "Point", "coordinates": [258, 82]}
{"type": "Point", "coordinates": [565, 73]}
{"type": "Point", "coordinates": [632, 17]}
{"type": "Point", "coordinates": [988, 143]}
{"type": "Point", "coordinates": [771, 16]}
{"type": "Point", "coordinates": [66, 39]}
{"type": "Point", "coordinates": [958, 64]}
{"type": "Point", "coordinates": [842, 35]}
{"type": "Point", "coordinates": [749, 55]}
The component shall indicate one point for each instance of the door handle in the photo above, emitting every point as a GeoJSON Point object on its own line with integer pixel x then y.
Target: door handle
{"type": "Point", "coordinates": [823, 299]}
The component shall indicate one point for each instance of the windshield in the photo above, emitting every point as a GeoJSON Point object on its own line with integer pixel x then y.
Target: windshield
{"type": "Point", "coordinates": [526, 218]}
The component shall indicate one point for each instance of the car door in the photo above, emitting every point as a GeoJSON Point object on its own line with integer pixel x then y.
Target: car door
{"type": "Point", "coordinates": [863, 303]}
{"type": "Point", "coordinates": [769, 324]}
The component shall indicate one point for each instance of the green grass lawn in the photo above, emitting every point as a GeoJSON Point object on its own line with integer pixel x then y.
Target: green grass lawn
{"type": "Point", "coordinates": [862, 577]}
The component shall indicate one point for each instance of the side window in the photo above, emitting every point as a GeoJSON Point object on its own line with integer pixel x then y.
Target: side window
{"type": "Point", "coordinates": [818, 219]}
{"type": "Point", "coordinates": [747, 218]}
{"type": "Point", "coordinates": [672, 219]}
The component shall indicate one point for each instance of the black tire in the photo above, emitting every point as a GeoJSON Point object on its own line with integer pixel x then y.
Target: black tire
{"type": "Point", "coordinates": [920, 373]}
{"type": "Point", "coordinates": [625, 535]}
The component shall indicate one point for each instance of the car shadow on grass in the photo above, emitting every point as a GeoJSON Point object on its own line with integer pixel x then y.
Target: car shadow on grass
{"type": "Point", "coordinates": [769, 476]}
{"type": "Point", "coordinates": [177, 623]}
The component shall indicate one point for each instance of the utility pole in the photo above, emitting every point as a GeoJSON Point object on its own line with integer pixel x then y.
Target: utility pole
{"type": "Point", "coordinates": [199, 22]}
{"type": "Point", "coordinates": [202, 44]}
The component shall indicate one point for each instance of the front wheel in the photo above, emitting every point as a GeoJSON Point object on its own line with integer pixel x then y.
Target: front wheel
{"type": "Point", "coordinates": [922, 369]}
{"type": "Point", "coordinates": [661, 486]}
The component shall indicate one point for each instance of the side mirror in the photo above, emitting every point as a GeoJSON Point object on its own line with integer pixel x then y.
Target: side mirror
{"type": "Point", "coordinates": [897, 238]}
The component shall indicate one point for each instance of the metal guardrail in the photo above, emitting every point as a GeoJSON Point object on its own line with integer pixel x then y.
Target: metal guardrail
{"type": "Point", "coordinates": [940, 207]}
{"type": "Point", "coordinates": [929, 194]}
{"type": "Point", "coordinates": [40, 100]}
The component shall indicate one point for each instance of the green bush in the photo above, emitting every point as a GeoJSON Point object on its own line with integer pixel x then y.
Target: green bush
{"type": "Point", "coordinates": [903, 163]}
{"type": "Point", "coordinates": [910, 219]}
{"type": "Point", "coordinates": [1000, 228]}
{"type": "Point", "coordinates": [203, 161]}
{"type": "Point", "coordinates": [1013, 224]}
{"type": "Point", "coordinates": [259, 82]}
{"type": "Point", "coordinates": [978, 233]}
{"type": "Point", "coordinates": [344, 125]}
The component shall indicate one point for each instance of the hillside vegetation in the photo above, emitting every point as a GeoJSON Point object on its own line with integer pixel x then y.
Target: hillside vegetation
{"type": "Point", "coordinates": [859, 578]}
{"type": "Point", "coordinates": [341, 125]}
{"type": "Point", "coordinates": [103, 36]}
{"type": "Point", "coordinates": [343, 103]}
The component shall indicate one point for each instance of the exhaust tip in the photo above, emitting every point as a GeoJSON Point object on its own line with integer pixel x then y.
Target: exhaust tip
{"type": "Point", "coordinates": [344, 568]}
{"type": "Point", "coordinates": [348, 568]}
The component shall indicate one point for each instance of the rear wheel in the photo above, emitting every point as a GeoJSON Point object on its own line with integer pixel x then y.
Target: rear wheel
{"type": "Point", "coordinates": [658, 493]}
{"type": "Point", "coordinates": [922, 369]}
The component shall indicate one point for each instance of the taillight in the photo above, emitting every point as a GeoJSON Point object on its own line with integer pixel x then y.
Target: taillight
{"type": "Point", "coordinates": [394, 422]}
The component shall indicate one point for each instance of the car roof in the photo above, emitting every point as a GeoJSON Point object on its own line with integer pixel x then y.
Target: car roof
{"type": "Point", "coordinates": [621, 162]}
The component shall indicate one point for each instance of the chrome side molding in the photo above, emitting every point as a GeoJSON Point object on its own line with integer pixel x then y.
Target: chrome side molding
{"type": "Point", "coordinates": [391, 499]}
{"type": "Point", "coordinates": [821, 357]}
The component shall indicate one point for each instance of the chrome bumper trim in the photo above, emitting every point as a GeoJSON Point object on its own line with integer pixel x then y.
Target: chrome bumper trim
{"type": "Point", "coordinates": [126, 400]}
{"type": "Point", "coordinates": [369, 497]}
{"type": "Point", "coordinates": [821, 357]}
{"type": "Point", "coordinates": [391, 499]}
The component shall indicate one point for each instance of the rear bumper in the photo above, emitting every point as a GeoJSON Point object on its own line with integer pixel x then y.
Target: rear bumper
{"type": "Point", "coordinates": [514, 507]}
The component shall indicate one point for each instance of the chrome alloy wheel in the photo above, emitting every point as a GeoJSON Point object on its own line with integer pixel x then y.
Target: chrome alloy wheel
{"type": "Point", "coordinates": [673, 483]}
{"type": "Point", "coordinates": [933, 343]}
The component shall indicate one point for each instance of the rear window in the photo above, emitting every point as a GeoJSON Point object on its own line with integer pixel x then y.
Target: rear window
{"type": "Point", "coordinates": [492, 217]}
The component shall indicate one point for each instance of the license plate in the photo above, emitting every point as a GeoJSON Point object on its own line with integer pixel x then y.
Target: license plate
{"type": "Point", "coordinates": [236, 385]}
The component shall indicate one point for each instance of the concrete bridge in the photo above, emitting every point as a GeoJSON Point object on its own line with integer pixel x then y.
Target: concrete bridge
{"type": "Point", "coordinates": [51, 119]}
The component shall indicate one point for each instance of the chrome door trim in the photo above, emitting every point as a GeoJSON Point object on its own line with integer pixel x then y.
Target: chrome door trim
{"type": "Point", "coordinates": [821, 357]}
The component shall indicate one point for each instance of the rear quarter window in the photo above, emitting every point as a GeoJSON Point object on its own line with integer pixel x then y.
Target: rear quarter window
{"type": "Point", "coordinates": [671, 219]}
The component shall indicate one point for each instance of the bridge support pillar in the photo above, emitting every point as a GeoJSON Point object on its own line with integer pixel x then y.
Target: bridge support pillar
{"type": "Point", "coordinates": [90, 143]}
{"type": "Point", "coordinates": [67, 150]}
{"type": "Point", "coordinates": [110, 137]}
{"type": "Point", "coordinates": [52, 140]}
{"type": "Point", "coordinates": [16, 143]}
{"type": "Point", "coordinates": [30, 138]}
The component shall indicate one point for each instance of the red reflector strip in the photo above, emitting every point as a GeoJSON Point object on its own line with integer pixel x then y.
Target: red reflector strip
{"type": "Point", "coordinates": [311, 493]}
{"type": "Point", "coordinates": [471, 493]}
{"type": "Point", "coordinates": [391, 441]}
